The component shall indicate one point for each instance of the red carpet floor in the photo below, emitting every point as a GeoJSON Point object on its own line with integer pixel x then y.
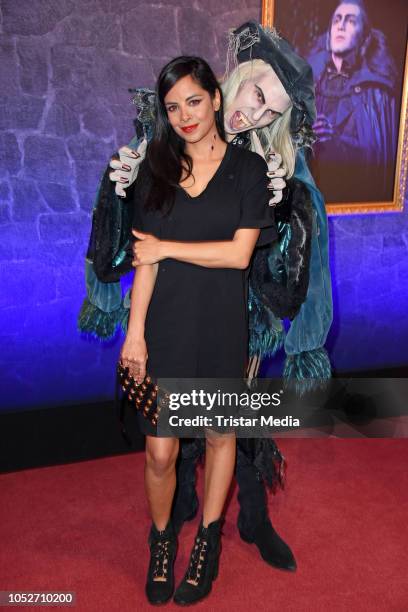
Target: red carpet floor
{"type": "Point", "coordinates": [83, 527]}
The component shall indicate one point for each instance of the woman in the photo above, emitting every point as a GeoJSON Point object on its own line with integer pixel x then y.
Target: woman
{"type": "Point", "coordinates": [199, 207]}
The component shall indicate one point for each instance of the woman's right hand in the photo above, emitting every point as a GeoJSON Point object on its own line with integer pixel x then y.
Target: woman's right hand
{"type": "Point", "coordinates": [134, 356]}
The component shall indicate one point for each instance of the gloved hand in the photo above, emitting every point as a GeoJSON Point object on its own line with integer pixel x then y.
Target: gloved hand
{"type": "Point", "coordinates": [126, 167]}
{"type": "Point", "coordinates": [276, 172]}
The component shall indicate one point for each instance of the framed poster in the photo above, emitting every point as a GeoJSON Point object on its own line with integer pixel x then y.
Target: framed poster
{"type": "Point", "coordinates": [358, 52]}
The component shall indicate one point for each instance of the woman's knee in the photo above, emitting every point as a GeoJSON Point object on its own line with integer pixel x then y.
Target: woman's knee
{"type": "Point", "coordinates": [161, 455]}
{"type": "Point", "coordinates": [218, 442]}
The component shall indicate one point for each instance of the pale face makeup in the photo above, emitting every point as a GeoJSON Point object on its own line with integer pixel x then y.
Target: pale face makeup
{"type": "Point", "coordinates": [190, 109]}
{"type": "Point", "coordinates": [259, 101]}
{"type": "Point", "coordinates": [345, 28]}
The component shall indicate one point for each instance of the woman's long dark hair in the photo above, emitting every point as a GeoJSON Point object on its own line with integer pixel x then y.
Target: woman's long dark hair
{"type": "Point", "coordinates": [165, 154]}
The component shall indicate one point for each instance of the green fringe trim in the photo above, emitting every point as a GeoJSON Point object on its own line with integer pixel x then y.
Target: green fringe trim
{"type": "Point", "coordinates": [307, 371]}
{"type": "Point", "coordinates": [266, 342]}
{"type": "Point", "coordinates": [266, 332]}
{"type": "Point", "coordinates": [100, 324]}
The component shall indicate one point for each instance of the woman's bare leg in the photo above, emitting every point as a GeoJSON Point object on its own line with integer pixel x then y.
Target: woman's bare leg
{"type": "Point", "coordinates": [219, 468]}
{"type": "Point", "coordinates": [160, 477]}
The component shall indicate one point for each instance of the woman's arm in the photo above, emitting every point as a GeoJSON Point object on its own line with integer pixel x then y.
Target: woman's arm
{"type": "Point", "coordinates": [134, 352]}
{"type": "Point", "coordinates": [142, 289]}
{"type": "Point", "coordinates": [235, 253]}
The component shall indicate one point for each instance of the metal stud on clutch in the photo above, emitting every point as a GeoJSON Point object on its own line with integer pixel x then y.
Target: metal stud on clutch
{"type": "Point", "coordinates": [143, 396]}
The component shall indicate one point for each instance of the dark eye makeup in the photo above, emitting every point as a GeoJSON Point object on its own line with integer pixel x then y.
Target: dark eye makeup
{"type": "Point", "coordinates": [194, 102]}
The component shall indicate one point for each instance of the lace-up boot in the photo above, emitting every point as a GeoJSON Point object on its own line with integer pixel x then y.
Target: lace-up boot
{"type": "Point", "coordinates": [160, 576]}
{"type": "Point", "coordinates": [203, 565]}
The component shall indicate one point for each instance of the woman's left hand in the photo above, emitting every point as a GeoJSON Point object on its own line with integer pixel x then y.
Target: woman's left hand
{"type": "Point", "coordinates": [146, 250]}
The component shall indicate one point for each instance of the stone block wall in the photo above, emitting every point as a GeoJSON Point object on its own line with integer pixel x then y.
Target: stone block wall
{"type": "Point", "coordinates": [66, 67]}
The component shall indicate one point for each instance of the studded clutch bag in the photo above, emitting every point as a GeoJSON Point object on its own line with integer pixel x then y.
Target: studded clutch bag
{"type": "Point", "coordinates": [143, 396]}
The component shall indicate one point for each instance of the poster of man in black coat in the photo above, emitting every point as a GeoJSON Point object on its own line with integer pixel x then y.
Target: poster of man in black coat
{"type": "Point", "coordinates": [357, 50]}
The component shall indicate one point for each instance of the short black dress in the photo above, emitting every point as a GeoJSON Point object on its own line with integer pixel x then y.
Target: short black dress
{"type": "Point", "coordinates": [196, 325]}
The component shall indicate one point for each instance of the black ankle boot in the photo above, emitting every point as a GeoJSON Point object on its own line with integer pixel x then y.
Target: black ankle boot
{"type": "Point", "coordinates": [163, 549]}
{"type": "Point", "coordinates": [271, 546]}
{"type": "Point", "coordinates": [254, 524]}
{"type": "Point", "coordinates": [203, 565]}
{"type": "Point", "coordinates": [185, 505]}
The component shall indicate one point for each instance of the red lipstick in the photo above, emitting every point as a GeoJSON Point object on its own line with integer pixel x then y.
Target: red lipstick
{"type": "Point", "coordinates": [189, 128]}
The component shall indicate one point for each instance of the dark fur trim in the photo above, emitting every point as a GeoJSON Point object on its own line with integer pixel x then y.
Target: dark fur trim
{"type": "Point", "coordinates": [285, 294]}
{"type": "Point", "coordinates": [111, 225]}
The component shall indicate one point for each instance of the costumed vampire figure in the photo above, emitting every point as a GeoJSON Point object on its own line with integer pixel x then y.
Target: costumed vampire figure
{"type": "Point", "coordinates": [270, 108]}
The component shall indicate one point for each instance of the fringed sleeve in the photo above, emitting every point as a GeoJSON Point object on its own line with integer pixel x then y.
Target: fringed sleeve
{"type": "Point", "coordinates": [280, 274]}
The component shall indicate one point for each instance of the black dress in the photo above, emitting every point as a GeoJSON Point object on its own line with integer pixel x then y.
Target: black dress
{"type": "Point", "coordinates": [196, 325]}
